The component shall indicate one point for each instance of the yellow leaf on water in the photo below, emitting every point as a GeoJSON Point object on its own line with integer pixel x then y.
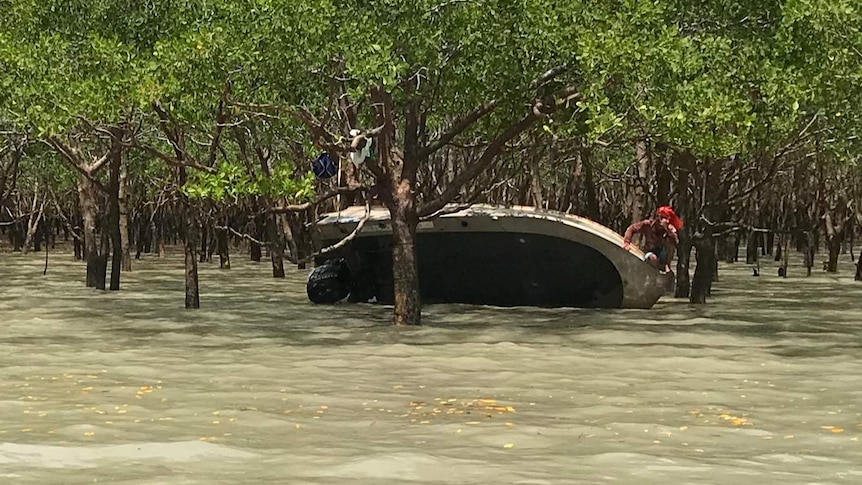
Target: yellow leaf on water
{"type": "Point", "coordinates": [510, 424]}
{"type": "Point", "coordinates": [837, 430]}
{"type": "Point", "coordinates": [683, 428]}
{"type": "Point", "coordinates": [509, 445]}
{"type": "Point", "coordinates": [89, 433]}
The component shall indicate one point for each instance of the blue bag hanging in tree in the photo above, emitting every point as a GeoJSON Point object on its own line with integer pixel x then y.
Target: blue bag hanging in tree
{"type": "Point", "coordinates": [324, 167]}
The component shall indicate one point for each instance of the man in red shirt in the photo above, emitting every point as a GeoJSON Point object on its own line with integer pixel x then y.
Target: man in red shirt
{"type": "Point", "coordinates": [660, 237]}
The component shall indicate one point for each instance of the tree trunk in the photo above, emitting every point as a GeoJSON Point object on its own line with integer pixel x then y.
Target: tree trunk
{"type": "Point", "coordinates": [204, 243]}
{"type": "Point", "coordinates": [191, 241]}
{"type": "Point", "coordinates": [833, 243]}
{"type": "Point", "coordinates": [159, 236]}
{"type": "Point", "coordinates": [87, 204]}
{"type": "Point", "coordinates": [664, 177]}
{"type": "Point", "coordinates": [570, 195]}
{"type": "Point", "coordinates": [707, 265]}
{"type": "Point", "coordinates": [255, 252]}
{"type": "Point", "coordinates": [17, 235]}
{"type": "Point", "coordinates": [681, 161]}
{"type": "Point", "coordinates": [77, 248]}
{"type": "Point", "coordinates": [405, 268]}
{"type": "Point", "coordinates": [191, 263]}
{"type": "Point", "coordinates": [751, 247]}
{"type": "Point", "coordinates": [683, 262]}
{"type": "Point", "coordinates": [536, 179]}
{"type": "Point", "coordinates": [32, 227]}
{"type": "Point", "coordinates": [223, 249]}
{"type": "Point", "coordinates": [113, 219]}
{"type": "Point", "coordinates": [276, 245]}
{"type": "Point", "coordinates": [808, 248]}
{"type": "Point", "coordinates": [858, 276]}
{"type": "Point", "coordinates": [124, 220]}
{"type": "Point", "coordinates": [36, 211]}
{"type": "Point", "coordinates": [703, 274]}
{"type": "Point", "coordinates": [834, 246]}
{"type": "Point", "coordinates": [590, 185]}
{"type": "Point", "coordinates": [637, 195]}
{"type": "Point", "coordinates": [286, 223]}
{"type": "Point", "coordinates": [41, 234]}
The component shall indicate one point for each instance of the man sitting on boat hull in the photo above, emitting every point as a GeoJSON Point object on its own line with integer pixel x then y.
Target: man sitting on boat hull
{"type": "Point", "coordinates": [660, 237]}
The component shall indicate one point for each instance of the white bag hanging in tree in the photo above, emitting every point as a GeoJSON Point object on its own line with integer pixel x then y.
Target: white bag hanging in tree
{"type": "Point", "coordinates": [360, 147]}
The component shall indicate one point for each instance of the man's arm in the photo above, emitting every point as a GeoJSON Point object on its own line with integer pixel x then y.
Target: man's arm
{"type": "Point", "coordinates": [672, 234]}
{"type": "Point", "coordinates": [633, 229]}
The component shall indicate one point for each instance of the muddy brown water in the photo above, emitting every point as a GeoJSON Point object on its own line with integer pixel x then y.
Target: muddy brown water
{"type": "Point", "coordinates": [762, 385]}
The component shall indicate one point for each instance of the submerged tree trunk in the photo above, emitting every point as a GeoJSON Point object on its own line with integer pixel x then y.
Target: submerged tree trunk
{"type": "Point", "coordinates": [683, 263]}
{"type": "Point", "coordinates": [701, 284]}
{"type": "Point", "coordinates": [17, 236]}
{"type": "Point", "coordinates": [113, 219]}
{"type": "Point", "coordinates": [204, 234]}
{"type": "Point", "coordinates": [36, 212]}
{"type": "Point", "coordinates": [191, 263]}
{"type": "Point", "coordinates": [87, 204]}
{"type": "Point", "coordinates": [704, 241]}
{"type": "Point", "coordinates": [159, 236]}
{"type": "Point", "coordinates": [834, 240]}
{"type": "Point", "coordinates": [124, 220]}
{"type": "Point", "coordinates": [275, 240]}
{"type": "Point", "coordinates": [405, 269]}
{"type": "Point", "coordinates": [223, 249]}
{"type": "Point", "coordinates": [255, 252]}
{"type": "Point", "coordinates": [682, 161]}
{"type": "Point", "coordinates": [193, 299]}
{"type": "Point", "coordinates": [751, 247]}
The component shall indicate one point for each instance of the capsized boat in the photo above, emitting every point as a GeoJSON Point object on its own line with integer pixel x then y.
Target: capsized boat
{"type": "Point", "coordinates": [488, 255]}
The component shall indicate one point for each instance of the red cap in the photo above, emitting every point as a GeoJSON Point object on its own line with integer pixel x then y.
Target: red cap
{"type": "Point", "coordinates": [673, 219]}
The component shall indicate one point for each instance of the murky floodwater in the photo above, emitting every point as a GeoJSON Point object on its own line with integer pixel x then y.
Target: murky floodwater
{"type": "Point", "coordinates": [763, 385]}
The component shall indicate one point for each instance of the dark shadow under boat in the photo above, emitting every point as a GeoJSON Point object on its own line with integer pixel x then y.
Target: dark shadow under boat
{"type": "Point", "coordinates": [487, 255]}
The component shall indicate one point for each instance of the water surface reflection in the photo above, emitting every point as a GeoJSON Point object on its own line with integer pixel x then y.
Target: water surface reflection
{"type": "Point", "coordinates": [760, 386]}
